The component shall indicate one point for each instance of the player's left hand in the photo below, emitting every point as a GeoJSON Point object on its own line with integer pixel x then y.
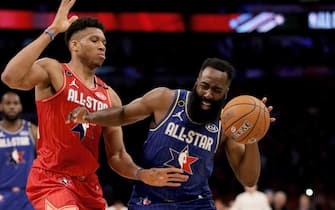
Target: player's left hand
{"type": "Point", "coordinates": [160, 177]}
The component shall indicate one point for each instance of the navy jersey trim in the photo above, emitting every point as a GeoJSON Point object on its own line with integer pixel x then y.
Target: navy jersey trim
{"type": "Point", "coordinates": [168, 113]}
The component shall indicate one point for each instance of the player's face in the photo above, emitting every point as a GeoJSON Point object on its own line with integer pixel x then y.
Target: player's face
{"type": "Point", "coordinates": [90, 47]}
{"type": "Point", "coordinates": [11, 107]}
{"type": "Point", "coordinates": [208, 95]}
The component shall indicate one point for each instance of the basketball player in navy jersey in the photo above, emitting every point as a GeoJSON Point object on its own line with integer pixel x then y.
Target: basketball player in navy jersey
{"type": "Point", "coordinates": [17, 152]}
{"type": "Point", "coordinates": [185, 132]}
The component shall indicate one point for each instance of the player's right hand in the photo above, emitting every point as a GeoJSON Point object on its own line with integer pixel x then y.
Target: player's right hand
{"type": "Point", "coordinates": [77, 115]}
{"type": "Point", "coordinates": [161, 177]}
{"type": "Point", "coordinates": [61, 21]}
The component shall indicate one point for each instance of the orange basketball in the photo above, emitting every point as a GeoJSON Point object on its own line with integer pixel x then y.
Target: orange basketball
{"type": "Point", "coordinates": [245, 119]}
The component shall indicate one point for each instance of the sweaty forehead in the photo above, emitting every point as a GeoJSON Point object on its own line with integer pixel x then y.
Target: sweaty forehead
{"type": "Point", "coordinates": [214, 77]}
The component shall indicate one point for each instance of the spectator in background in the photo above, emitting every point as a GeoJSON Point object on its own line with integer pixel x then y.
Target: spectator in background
{"type": "Point", "coordinates": [251, 199]}
{"type": "Point", "coordinates": [279, 201]}
{"type": "Point", "coordinates": [117, 205]}
{"type": "Point", "coordinates": [305, 203]}
{"type": "Point", "coordinates": [17, 152]}
{"type": "Point", "coordinates": [219, 204]}
{"type": "Point", "coordinates": [269, 194]}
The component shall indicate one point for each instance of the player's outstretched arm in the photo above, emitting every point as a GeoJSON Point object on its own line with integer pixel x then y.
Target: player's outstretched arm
{"type": "Point", "coordinates": [22, 71]}
{"type": "Point", "coordinates": [122, 163]}
{"type": "Point", "coordinates": [135, 111]}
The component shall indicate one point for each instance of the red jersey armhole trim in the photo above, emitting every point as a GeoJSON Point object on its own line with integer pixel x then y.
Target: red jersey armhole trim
{"type": "Point", "coordinates": [109, 98]}
{"type": "Point", "coordinates": [58, 91]}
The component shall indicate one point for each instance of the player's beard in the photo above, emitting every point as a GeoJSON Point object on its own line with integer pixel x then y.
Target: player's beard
{"type": "Point", "coordinates": [199, 115]}
{"type": "Point", "coordinates": [11, 118]}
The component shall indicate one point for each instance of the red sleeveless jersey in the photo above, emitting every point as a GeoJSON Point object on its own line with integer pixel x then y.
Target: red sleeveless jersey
{"type": "Point", "coordinates": [72, 148]}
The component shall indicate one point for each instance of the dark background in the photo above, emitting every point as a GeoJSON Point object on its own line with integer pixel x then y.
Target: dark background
{"type": "Point", "coordinates": [293, 67]}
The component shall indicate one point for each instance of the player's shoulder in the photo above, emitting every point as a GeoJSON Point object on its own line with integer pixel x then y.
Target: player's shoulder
{"type": "Point", "coordinates": [46, 61]}
{"type": "Point", "coordinates": [30, 124]}
{"type": "Point", "coordinates": [163, 92]}
{"type": "Point", "coordinates": [158, 96]}
{"type": "Point", "coordinates": [161, 88]}
{"type": "Point", "coordinates": [51, 65]}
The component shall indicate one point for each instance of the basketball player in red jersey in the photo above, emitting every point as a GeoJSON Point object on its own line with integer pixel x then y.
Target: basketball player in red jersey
{"type": "Point", "coordinates": [63, 174]}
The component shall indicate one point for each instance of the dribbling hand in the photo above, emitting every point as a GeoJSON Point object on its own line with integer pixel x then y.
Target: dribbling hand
{"type": "Point", "coordinates": [160, 177]}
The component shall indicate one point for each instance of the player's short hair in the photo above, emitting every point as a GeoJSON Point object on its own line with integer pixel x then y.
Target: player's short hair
{"type": "Point", "coordinates": [8, 93]}
{"type": "Point", "coordinates": [220, 65]}
{"type": "Point", "coordinates": [80, 24]}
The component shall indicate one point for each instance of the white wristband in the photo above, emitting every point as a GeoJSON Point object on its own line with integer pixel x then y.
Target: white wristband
{"type": "Point", "coordinates": [137, 173]}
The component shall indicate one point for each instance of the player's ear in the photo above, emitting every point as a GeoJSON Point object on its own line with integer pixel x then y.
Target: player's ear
{"type": "Point", "coordinates": [226, 95]}
{"type": "Point", "coordinates": [20, 108]}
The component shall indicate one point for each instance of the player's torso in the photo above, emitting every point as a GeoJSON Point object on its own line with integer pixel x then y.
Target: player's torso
{"type": "Point", "coordinates": [17, 152]}
{"type": "Point", "coordinates": [178, 142]}
{"type": "Point", "coordinates": [61, 143]}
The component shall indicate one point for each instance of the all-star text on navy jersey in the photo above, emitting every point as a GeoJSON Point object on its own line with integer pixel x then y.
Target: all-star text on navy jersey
{"type": "Point", "coordinates": [17, 152]}
{"type": "Point", "coordinates": [176, 141]}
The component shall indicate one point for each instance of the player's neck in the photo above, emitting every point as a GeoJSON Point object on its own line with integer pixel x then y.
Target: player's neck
{"type": "Point", "coordinates": [11, 126]}
{"type": "Point", "coordinates": [86, 75]}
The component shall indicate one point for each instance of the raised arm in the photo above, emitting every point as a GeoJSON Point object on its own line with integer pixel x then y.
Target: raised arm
{"type": "Point", "coordinates": [24, 71]}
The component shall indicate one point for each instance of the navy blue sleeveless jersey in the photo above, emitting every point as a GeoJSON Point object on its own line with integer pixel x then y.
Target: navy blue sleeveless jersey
{"type": "Point", "coordinates": [17, 152]}
{"type": "Point", "coordinates": [176, 141]}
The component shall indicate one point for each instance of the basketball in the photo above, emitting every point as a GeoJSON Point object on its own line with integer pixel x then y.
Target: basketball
{"type": "Point", "coordinates": [245, 119]}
